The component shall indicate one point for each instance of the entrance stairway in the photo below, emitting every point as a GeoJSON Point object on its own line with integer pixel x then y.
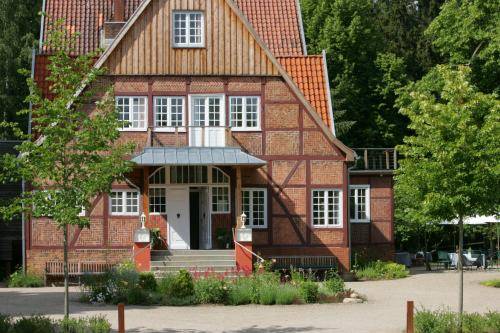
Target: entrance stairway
{"type": "Point", "coordinates": [201, 261]}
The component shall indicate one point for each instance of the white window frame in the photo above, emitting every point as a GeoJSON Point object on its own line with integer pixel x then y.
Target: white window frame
{"type": "Point", "coordinates": [222, 98]}
{"type": "Point", "coordinates": [211, 189]}
{"type": "Point", "coordinates": [325, 209]}
{"type": "Point", "coordinates": [188, 43]}
{"type": "Point", "coordinates": [169, 127]}
{"type": "Point", "coordinates": [367, 203]}
{"type": "Point", "coordinates": [251, 225]}
{"type": "Point", "coordinates": [124, 203]}
{"type": "Point", "coordinates": [153, 188]}
{"type": "Point", "coordinates": [244, 114]}
{"type": "Point", "coordinates": [134, 129]}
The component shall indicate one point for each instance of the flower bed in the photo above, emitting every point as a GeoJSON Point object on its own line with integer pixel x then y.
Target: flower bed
{"type": "Point", "coordinates": [125, 284]}
{"type": "Point", "coordinates": [41, 324]}
{"type": "Point", "coordinates": [19, 279]}
{"type": "Point", "coordinates": [448, 322]}
{"type": "Point", "coordinates": [381, 270]}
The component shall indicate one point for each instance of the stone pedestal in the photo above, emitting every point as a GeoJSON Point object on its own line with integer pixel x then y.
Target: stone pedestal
{"type": "Point", "coordinates": [244, 258]}
{"type": "Point", "coordinates": [142, 250]}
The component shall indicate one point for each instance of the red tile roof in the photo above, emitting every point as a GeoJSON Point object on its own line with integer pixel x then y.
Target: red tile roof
{"type": "Point", "coordinates": [86, 17]}
{"type": "Point", "coordinates": [308, 72]}
{"type": "Point", "coordinates": [276, 21]}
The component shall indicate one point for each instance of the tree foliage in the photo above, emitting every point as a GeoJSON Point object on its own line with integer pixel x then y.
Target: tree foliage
{"type": "Point", "coordinates": [73, 155]}
{"type": "Point", "coordinates": [451, 165]}
{"type": "Point", "coordinates": [373, 49]}
{"type": "Point", "coordinates": [19, 26]}
{"type": "Point", "coordinates": [468, 32]}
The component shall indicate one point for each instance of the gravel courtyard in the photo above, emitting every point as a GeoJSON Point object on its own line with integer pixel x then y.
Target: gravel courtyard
{"type": "Point", "coordinates": [384, 311]}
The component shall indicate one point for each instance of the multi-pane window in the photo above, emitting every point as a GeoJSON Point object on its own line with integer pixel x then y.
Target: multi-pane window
{"type": "Point", "coordinates": [254, 203]}
{"type": "Point", "coordinates": [157, 200]}
{"type": "Point", "coordinates": [220, 199]}
{"type": "Point", "coordinates": [132, 112]}
{"type": "Point", "coordinates": [219, 177]}
{"type": "Point", "coordinates": [245, 112]}
{"type": "Point", "coordinates": [188, 174]}
{"type": "Point", "coordinates": [124, 202]}
{"type": "Point", "coordinates": [327, 208]}
{"type": "Point", "coordinates": [169, 112]}
{"type": "Point", "coordinates": [188, 29]}
{"type": "Point", "coordinates": [359, 203]}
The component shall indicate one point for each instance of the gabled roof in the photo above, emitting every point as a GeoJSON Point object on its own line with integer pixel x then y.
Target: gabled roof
{"type": "Point", "coordinates": [276, 21]}
{"type": "Point", "coordinates": [308, 72]}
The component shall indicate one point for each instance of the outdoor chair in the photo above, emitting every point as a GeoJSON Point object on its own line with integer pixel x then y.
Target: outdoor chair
{"type": "Point", "coordinates": [470, 263]}
{"type": "Point", "coordinates": [443, 259]}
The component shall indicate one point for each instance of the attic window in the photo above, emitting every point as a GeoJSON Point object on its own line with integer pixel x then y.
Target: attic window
{"type": "Point", "coordinates": [188, 29]}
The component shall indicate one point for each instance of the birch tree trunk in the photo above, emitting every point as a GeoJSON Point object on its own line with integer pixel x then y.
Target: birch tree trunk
{"type": "Point", "coordinates": [66, 275]}
{"type": "Point", "coordinates": [460, 269]}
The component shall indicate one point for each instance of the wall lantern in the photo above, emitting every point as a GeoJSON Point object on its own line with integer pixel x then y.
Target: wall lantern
{"type": "Point", "coordinates": [243, 219]}
{"type": "Point", "coordinates": [143, 220]}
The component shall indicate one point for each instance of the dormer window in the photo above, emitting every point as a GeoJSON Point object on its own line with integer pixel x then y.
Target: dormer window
{"type": "Point", "coordinates": [188, 29]}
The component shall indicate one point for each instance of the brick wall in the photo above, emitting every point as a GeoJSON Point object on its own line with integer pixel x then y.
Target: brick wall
{"type": "Point", "coordinates": [300, 157]}
{"type": "Point", "coordinates": [379, 233]}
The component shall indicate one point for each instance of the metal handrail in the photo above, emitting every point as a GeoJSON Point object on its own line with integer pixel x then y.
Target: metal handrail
{"type": "Point", "coordinates": [244, 248]}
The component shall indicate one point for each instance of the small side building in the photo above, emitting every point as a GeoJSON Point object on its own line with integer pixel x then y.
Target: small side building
{"type": "Point", "coordinates": [371, 205]}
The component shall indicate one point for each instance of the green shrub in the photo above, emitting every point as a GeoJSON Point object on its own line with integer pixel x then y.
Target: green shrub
{"type": "Point", "coordinates": [380, 270]}
{"type": "Point", "coordinates": [210, 291]}
{"type": "Point", "coordinates": [35, 324]}
{"type": "Point", "coordinates": [448, 322]}
{"type": "Point", "coordinates": [180, 301]}
{"type": "Point", "coordinates": [241, 292]}
{"type": "Point", "coordinates": [492, 283]}
{"type": "Point", "coordinates": [182, 285]}
{"type": "Point", "coordinates": [165, 283]}
{"type": "Point", "coordinates": [334, 283]}
{"type": "Point", "coordinates": [267, 294]}
{"type": "Point", "coordinates": [138, 296]}
{"type": "Point", "coordinates": [5, 323]}
{"type": "Point", "coordinates": [287, 294]}
{"type": "Point", "coordinates": [20, 280]}
{"type": "Point", "coordinates": [309, 291]}
{"type": "Point", "coordinates": [147, 281]}
{"type": "Point", "coordinates": [97, 324]}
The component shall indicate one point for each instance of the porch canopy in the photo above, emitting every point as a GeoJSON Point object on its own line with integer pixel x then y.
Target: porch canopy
{"type": "Point", "coordinates": [160, 156]}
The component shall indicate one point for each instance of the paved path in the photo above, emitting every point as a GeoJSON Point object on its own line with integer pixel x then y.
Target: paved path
{"type": "Point", "coordinates": [384, 311]}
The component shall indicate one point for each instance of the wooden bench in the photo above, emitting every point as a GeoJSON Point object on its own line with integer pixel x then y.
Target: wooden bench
{"type": "Point", "coordinates": [304, 262]}
{"type": "Point", "coordinates": [55, 269]}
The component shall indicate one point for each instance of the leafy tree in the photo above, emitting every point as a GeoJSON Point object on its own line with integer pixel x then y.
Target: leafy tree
{"type": "Point", "coordinates": [451, 165]}
{"type": "Point", "coordinates": [468, 32]}
{"type": "Point", "coordinates": [76, 156]}
{"type": "Point", "coordinates": [346, 29]}
{"type": "Point", "coordinates": [19, 26]}
{"type": "Point", "coordinates": [373, 49]}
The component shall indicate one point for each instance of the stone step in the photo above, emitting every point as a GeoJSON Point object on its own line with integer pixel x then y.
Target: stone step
{"type": "Point", "coordinates": [191, 252]}
{"type": "Point", "coordinates": [193, 263]}
{"type": "Point", "coordinates": [192, 258]}
{"type": "Point", "coordinates": [199, 268]}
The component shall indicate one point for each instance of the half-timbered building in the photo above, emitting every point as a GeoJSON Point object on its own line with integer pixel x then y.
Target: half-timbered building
{"type": "Point", "coordinates": [233, 125]}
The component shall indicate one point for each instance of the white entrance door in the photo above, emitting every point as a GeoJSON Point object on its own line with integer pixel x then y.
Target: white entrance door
{"type": "Point", "coordinates": [178, 218]}
{"type": "Point", "coordinates": [207, 121]}
{"type": "Point", "coordinates": [205, 222]}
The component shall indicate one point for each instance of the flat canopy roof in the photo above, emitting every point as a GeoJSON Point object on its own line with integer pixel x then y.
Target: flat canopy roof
{"type": "Point", "coordinates": [158, 156]}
